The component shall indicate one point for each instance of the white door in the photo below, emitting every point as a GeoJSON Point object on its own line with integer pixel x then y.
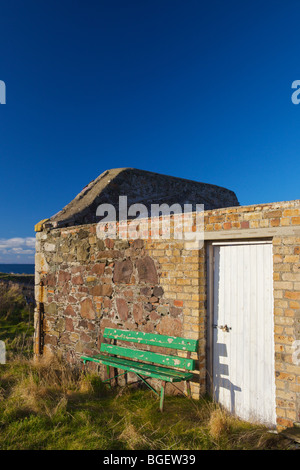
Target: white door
{"type": "Point", "coordinates": [243, 350]}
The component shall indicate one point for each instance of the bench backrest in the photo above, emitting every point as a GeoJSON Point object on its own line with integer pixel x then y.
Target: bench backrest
{"type": "Point", "coordinates": [152, 339]}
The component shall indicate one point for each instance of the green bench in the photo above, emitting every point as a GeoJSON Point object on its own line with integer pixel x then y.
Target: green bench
{"type": "Point", "coordinates": [147, 364]}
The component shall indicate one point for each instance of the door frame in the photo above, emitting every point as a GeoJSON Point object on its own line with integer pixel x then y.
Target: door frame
{"type": "Point", "coordinates": [210, 263]}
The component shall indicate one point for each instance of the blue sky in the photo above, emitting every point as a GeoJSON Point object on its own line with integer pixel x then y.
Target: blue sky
{"type": "Point", "coordinates": [191, 88]}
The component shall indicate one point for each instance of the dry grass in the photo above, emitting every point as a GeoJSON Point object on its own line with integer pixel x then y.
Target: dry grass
{"type": "Point", "coordinates": [16, 320]}
{"type": "Point", "coordinates": [48, 405]}
{"type": "Point", "coordinates": [133, 438]}
{"type": "Point", "coordinates": [219, 423]}
{"type": "Point", "coordinates": [44, 387]}
{"type": "Point", "coordinates": [11, 301]}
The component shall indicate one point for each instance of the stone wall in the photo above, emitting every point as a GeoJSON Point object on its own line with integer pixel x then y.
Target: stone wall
{"type": "Point", "coordinates": [90, 284]}
{"type": "Point", "coordinates": [159, 286]}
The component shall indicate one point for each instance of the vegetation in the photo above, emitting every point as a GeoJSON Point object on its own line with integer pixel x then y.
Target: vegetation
{"type": "Point", "coordinates": [48, 405]}
{"type": "Point", "coordinates": [16, 319]}
{"type": "Point", "coordinates": [17, 277]}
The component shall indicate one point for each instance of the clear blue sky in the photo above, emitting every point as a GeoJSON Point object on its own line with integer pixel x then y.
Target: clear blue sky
{"type": "Point", "coordinates": [191, 88]}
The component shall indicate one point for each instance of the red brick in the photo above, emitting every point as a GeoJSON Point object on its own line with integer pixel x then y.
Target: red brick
{"type": "Point", "coordinates": [245, 224]}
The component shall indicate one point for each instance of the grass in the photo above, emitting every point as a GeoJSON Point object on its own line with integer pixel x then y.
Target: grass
{"type": "Point", "coordinates": [48, 405]}
{"type": "Point", "coordinates": [17, 277]}
{"type": "Point", "coordinates": [16, 319]}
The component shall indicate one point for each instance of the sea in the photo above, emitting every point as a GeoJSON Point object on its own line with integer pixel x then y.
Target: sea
{"type": "Point", "coordinates": [17, 268]}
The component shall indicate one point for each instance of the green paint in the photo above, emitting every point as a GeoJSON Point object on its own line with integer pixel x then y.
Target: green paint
{"type": "Point", "coordinates": [153, 339]}
{"type": "Point", "coordinates": [115, 376]}
{"type": "Point", "coordinates": [148, 385]}
{"type": "Point", "coordinates": [162, 396]}
{"type": "Point", "coordinates": [150, 370]}
{"type": "Point", "coordinates": [149, 356]}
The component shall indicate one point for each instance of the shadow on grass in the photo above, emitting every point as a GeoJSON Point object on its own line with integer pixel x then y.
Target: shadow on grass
{"type": "Point", "coordinates": [48, 406]}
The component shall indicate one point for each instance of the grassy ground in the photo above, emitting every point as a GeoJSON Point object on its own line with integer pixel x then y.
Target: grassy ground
{"type": "Point", "coordinates": [49, 406]}
{"type": "Point", "coordinates": [16, 318]}
{"type": "Point", "coordinates": [17, 277]}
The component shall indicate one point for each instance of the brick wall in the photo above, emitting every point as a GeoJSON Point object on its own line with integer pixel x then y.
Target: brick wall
{"type": "Point", "coordinates": [286, 261]}
{"type": "Point", "coordinates": [281, 221]}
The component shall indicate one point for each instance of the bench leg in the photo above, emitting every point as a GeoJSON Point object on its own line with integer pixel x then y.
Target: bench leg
{"type": "Point", "coordinates": [116, 376]}
{"type": "Point", "coordinates": [188, 387]}
{"type": "Point", "coordinates": [108, 375]}
{"type": "Point", "coordinates": [162, 396]}
{"type": "Point", "coordinates": [145, 382]}
{"type": "Point", "coordinates": [112, 378]}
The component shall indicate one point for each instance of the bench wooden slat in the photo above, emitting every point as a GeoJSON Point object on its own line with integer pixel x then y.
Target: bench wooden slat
{"type": "Point", "coordinates": [148, 370]}
{"type": "Point", "coordinates": [149, 356]}
{"type": "Point", "coordinates": [153, 339]}
{"type": "Point", "coordinates": [174, 372]}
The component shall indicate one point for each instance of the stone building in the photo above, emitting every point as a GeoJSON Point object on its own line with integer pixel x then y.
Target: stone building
{"type": "Point", "coordinates": [239, 294]}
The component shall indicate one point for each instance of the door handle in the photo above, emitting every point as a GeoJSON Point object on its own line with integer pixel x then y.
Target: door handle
{"type": "Point", "coordinates": [224, 328]}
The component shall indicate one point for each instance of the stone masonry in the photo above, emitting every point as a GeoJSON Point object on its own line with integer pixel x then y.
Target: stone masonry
{"type": "Point", "coordinates": [159, 286]}
{"type": "Point", "coordinates": [90, 284]}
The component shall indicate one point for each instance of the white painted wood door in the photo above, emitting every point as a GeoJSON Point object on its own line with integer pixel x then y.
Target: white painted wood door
{"type": "Point", "coordinates": [243, 356]}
